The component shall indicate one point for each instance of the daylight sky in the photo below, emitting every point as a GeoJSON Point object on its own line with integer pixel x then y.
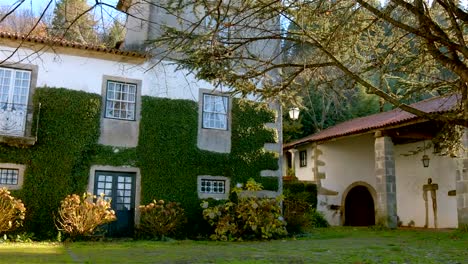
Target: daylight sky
{"type": "Point", "coordinates": [38, 5]}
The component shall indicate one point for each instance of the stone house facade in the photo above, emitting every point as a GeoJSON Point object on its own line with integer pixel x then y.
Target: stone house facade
{"type": "Point", "coordinates": [123, 80]}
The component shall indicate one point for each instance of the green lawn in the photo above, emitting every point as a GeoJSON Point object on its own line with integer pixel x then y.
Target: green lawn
{"type": "Point", "coordinates": [332, 245]}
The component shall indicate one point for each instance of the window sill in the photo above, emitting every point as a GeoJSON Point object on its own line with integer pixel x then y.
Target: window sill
{"type": "Point", "coordinates": [17, 141]}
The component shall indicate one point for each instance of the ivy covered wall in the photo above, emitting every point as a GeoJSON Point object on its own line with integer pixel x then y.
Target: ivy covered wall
{"type": "Point", "coordinates": [167, 154]}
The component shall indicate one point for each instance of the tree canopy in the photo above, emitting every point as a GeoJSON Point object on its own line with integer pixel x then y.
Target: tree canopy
{"type": "Point", "coordinates": [401, 52]}
{"type": "Point", "coordinates": [72, 21]}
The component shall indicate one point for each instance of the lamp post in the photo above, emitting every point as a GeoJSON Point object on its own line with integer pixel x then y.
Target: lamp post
{"type": "Point", "coordinates": [294, 113]}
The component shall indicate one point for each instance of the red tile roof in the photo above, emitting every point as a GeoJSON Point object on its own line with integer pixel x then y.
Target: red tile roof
{"type": "Point", "coordinates": [380, 120]}
{"type": "Point", "coordinates": [67, 44]}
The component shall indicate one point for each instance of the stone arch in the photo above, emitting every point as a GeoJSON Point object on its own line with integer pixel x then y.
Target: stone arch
{"type": "Point", "coordinates": [358, 186]}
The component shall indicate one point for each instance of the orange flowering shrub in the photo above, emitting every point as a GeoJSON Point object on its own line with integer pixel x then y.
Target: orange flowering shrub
{"type": "Point", "coordinates": [81, 215]}
{"type": "Point", "coordinates": [159, 219]}
{"type": "Point", "coordinates": [12, 211]}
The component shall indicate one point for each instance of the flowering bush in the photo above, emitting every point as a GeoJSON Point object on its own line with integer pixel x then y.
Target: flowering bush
{"type": "Point", "coordinates": [79, 216]}
{"type": "Point", "coordinates": [246, 217]}
{"type": "Point", "coordinates": [12, 211]}
{"type": "Point", "coordinates": [159, 219]}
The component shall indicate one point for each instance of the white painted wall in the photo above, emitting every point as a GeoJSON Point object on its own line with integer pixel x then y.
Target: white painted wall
{"type": "Point", "coordinates": [86, 73]}
{"type": "Point", "coordinates": [411, 176]}
{"type": "Point", "coordinates": [352, 159]}
{"type": "Point", "coordinates": [304, 173]}
{"type": "Point", "coordinates": [347, 161]}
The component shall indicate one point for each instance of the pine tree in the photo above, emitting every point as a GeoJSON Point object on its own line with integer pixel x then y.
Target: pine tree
{"type": "Point", "coordinates": [72, 22]}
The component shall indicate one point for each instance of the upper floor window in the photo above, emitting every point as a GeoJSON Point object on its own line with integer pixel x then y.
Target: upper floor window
{"type": "Point", "coordinates": [215, 111]}
{"type": "Point", "coordinates": [14, 93]}
{"type": "Point", "coordinates": [303, 158]}
{"type": "Point", "coordinates": [120, 100]}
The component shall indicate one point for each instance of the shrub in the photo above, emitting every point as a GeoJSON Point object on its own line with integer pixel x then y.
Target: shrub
{"type": "Point", "coordinates": [79, 216]}
{"type": "Point", "coordinates": [296, 213]}
{"type": "Point", "coordinates": [299, 207]}
{"type": "Point", "coordinates": [246, 217]}
{"type": "Point", "coordinates": [12, 211]}
{"type": "Point", "coordinates": [159, 219]}
{"type": "Point", "coordinates": [317, 219]}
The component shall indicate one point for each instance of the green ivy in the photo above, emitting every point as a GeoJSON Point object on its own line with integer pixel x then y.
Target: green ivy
{"type": "Point", "coordinates": [170, 161]}
{"type": "Point", "coordinates": [167, 154]}
{"type": "Point", "coordinates": [58, 164]}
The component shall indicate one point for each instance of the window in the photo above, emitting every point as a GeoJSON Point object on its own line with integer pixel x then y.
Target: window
{"type": "Point", "coordinates": [9, 176]}
{"type": "Point", "coordinates": [303, 158]}
{"type": "Point", "coordinates": [213, 186]}
{"type": "Point", "coordinates": [120, 100]}
{"type": "Point", "coordinates": [14, 93]}
{"type": "Point", "coordinates": [215, 111]}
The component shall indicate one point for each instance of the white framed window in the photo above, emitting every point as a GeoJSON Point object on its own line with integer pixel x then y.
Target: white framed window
{"type": "Point", "coordinates": [120, 100]}
{"type": "Point", "coordinates": [14, 94]}
{"type": "Point", "coordinates": [216, 187]}
{"type": "Point", "coordinates": [212, 186]}
{"type": "Point", "coordinates": [303, 158]}
{"type": "Point", "coordinates": [9, 176]}
{"type": "Point", "coordinates": [215, 111]}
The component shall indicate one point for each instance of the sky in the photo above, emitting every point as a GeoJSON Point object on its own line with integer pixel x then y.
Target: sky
{"type": "Point", "coordinates": [38, 5]}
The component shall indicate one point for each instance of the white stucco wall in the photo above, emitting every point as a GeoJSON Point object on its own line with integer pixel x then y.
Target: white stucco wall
{"type": "Point", "coordinates": [80, 72]}
{"type": "Point", "coordinates": [410, 178]}
{"type": "Point", "coordinates": [304, 173]}
{"type": "Point", "coordinates": [347, 161]}
{"type": "Point", "coordinates": [351, 160]}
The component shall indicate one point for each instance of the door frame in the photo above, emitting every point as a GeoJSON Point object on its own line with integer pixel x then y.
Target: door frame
{"type": "Point", "coordinates": [372, 192]}
{"type": "Point", "coordinates": [116, 169]}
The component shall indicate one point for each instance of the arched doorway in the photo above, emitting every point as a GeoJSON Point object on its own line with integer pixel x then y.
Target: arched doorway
{"type": "Point", "coordinates": [359, 207]}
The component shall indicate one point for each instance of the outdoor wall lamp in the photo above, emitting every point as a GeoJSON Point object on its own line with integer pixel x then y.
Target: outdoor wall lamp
{"type": "Point", "coordinates": [294, 113]}
{"type": "Point", "coordinates": [425, 158]}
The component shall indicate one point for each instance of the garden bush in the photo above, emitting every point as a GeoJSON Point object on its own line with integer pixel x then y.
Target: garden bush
{"type": "Point", "coordinates": [12, 211]}
{"type": "Point", "coordinates": [79, 216]}
{"type": "Point", "coordinates": [299, 207]}
{"type": "Point", "coordinates": [159, 219]}
{"type": "Point", "coordinates": [246, 217]}
{"type": "Point", "coordinates": [317, 219]}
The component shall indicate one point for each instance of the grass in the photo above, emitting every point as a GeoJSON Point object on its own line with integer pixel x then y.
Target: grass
{"type": "Point", "coordinates": [330, 245]}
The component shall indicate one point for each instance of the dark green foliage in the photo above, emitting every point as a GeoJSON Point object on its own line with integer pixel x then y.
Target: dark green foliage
{"type": "Point", "coordinates": [167, 154]}
{"type": "Point", "coordinates": [299, 206]}
{"type": "Point", "coordinates": [317, 219]}
{"type": "Point", "coordinates": [170, 160]}
{"type": "Point", "coordinates": [302, 191]}
{"type": "Point", "coordinates": [58, 164]}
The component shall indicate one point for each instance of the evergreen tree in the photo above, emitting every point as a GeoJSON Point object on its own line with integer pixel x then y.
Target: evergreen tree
{"type": "Point", "coordinates": [114, 35]}
{"type": "Point", "coordinates": [73, 21]}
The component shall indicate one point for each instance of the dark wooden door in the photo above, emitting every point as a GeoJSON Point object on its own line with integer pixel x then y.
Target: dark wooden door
{"type": "Point", "coordinates": [359, 207]}
{"type": "Point", "coordinates": [120, 187]}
